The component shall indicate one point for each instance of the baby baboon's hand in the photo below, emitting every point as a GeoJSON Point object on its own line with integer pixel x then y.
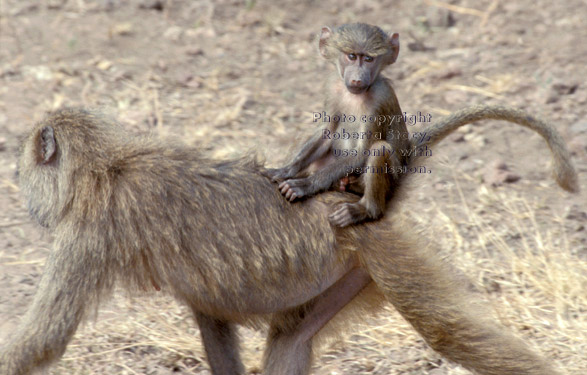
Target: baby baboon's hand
{"type": "Point", "coordinates": [278, 174]}
{"type": "Point", "coordinates": [295, 188]}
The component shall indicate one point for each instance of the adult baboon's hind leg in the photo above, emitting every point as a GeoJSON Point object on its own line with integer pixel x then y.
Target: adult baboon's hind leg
{"type": "Point", "coordinates": [286, 353]}
{"type": "Point", "coordinates": [289, 344]}
{"type": "Point", "coordinates": [441, 305]}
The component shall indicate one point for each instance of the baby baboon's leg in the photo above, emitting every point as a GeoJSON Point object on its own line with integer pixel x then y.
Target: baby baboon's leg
{"type": "Point", "coordinates": [221, 343]}
{"type": "Point", "coordinates": [377, 185]}
{"type": "Point", "coordinates": [441, 305]}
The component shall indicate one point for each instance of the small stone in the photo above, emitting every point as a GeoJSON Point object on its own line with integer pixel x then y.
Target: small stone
{"type": "Point", "coordinates": [574, 212]}
{"type": "Point", "coordinates": [564, 88]}
{"type": "Point", "coordinates": [158, 5]}
{"type": "Point", "coordinates": [458, 138]}
{"type": "Point", "coordinates": [194, 51]}
{"type": "Point", "coordinates": [498, 173]}
{"type": "Point", "coordinates": [122, 29]}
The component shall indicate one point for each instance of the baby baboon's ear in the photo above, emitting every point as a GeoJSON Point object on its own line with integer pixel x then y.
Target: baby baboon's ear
{"type": "Point", "coordinates": [325, 35]}
{"type": "Point", "coordinates": [394, 44]}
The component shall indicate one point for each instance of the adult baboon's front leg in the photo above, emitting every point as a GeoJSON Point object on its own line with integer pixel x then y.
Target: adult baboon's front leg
{"type": "Point", "coordinates": [221, 343]}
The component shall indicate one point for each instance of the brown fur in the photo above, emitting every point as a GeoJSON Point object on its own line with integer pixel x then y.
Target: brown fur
{"type": "Point", "coordinates": [150, 214]}
{"type": "Point", "coordinates": [357, 37]}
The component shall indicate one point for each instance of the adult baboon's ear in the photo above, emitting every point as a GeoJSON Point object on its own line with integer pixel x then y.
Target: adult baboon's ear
{"type": "Point", "coordinates": [47, 148]}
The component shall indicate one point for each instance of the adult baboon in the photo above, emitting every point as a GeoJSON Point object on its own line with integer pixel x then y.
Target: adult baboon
{"type": "Point", "coordinates": [217, 235]}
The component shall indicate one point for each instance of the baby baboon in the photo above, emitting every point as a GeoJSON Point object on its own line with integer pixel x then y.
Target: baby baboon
{"type": "Point", "coordinates": [152, 215]}
{"type": "Point", "coordinates": [368, 157]}
{"type": "Point", "coordinates": [364, 126]}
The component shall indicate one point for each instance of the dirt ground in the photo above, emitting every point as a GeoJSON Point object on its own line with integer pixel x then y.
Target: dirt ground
{"type": "Point", "coordinates": [235, 76]}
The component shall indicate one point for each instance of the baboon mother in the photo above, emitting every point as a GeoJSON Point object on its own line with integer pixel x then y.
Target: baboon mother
{"type": "Point", "coordinates": [218, 236]}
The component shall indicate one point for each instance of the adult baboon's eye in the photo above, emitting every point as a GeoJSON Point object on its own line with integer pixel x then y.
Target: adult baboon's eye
{"type": "Point", "coordinates": [368, 59]}
{"type": "Point", "coordinates": [352, 56]}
